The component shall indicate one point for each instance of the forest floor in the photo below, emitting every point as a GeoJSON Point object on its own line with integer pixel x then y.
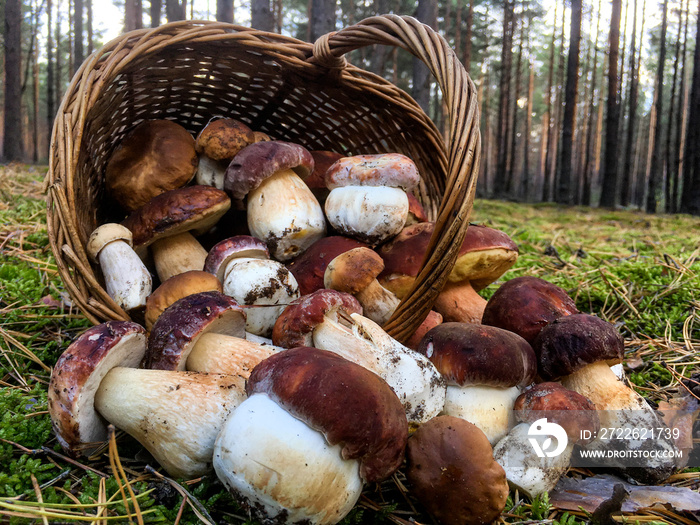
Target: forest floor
{"type": "Point", "coordinates": [639, 271]}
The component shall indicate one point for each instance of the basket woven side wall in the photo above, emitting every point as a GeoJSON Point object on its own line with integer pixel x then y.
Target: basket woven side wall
{"type": "Point", "coordinates": [190, 72]}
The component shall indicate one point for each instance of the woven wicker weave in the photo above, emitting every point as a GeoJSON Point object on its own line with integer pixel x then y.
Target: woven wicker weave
{"type": "Point", "coordinates": [191, 71]}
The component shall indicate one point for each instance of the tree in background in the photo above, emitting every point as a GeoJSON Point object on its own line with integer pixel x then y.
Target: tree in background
{"type": "Point", "coordinates": [224, 11]}
{"type": "Point", "coordinates": [322, 18]}
{"type": "Point", "coordinates": [608, 196]}
{"type": "Point", "coordinates": [426, 13]}
{"type": "Point", "coordinates": [175, 10]}
{"type": "Point", "coordinates": [261, 15]}
{"type": "Point", "coordinates": [690, 202]}
{"type": "Point", "coordinates": [13, 146]}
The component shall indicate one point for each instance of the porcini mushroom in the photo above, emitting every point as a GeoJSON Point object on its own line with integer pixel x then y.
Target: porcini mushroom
{"type": "Point", "coordinates": [127, 280]}
{"type": "Point", "coordinates": [167, 224]}
{"type": "Point", "coordinates": [451, 471]}
{"type": "Point", "coordinates": [204, 332]}
{"type": "Point", "coordinates": [220, 141]}
{"type": "Point", "coordinates": [483, 367]}
{"type": "Point", "coordinates": [579, 349]}
{"type": "Point", "coordinates": [526, 304]}
{"type": "Point", "coordinates": [253, 279]}
{"type": "Point", "coordinates": [484, 256]}
{"type": "Point", "coordinates": [175, 415]}
{"type": "Point", "coordinates": [299, 448]}
{"type": "Point", "coordinates": [155, 157]}
{"type": "Point", "coordinates": [329, 320]}
{"type": "Point", "coordinates": [281, 209]}
{"type": "Point", "coordinates": [355, 272]}
{"type": "Point", "coordinates": [367, 199]}
{"type": "Point", "coordinates": [538, 410]}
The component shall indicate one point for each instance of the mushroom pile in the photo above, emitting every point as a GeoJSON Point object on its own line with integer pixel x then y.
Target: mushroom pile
{"type": "Point", "coordinates": [261, 355]}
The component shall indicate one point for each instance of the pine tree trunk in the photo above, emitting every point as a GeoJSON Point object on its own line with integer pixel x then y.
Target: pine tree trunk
{"type": "Point", "coordinates": [690, 202]}
{"type": "Point", "coordinates": [224, 11]}
{"type": "Point", "coordinates": [484, 94]}
{"type": "Point", "coordinates": [684, 108]}
{"type": "Point", "coordinates": [380, 54]}
{"type": "Point", "coordinates": [499, 186]}
{"type": "Point", "coordinates": [555, 135]}
{"type": "Point", "coordinates": [13, 148]}
{"type": "Point", "coordinates": [590, 112]}
{"type": "Point", "coordinates": [467, 57]}
{"type": "Point", "coordinates": [58, 92]}
{"type": "Point", "coordinates": [322, 18]}
{"type": "Point", "coordinates": [175, 10]}
{"type": "Point", "coordinates": [426, 13]}
{"type": "Point", "coordinates": [673, 117]}
{"type": "Point", "coordinates": [608, 196]}
{"type": "Point", "coordinates": [546, 118]}
{"type": "Point", "coordinates": [525, 186]}
{"type": "Point", "coordinates": [50, 73]}
{"type": "Point", "coordinates": [78, 34]}
{"type": "Point", "coordinates": [511, 183]}
{"type": "Point", "coordinates": [260, 15]}
{"type": "Point", "coordinates": [90, 27]}
{"type": "Point", "coordinates": [458, 26]}
{"type": "Point", "coordinates": [35, 87]}
{"type": "Point", "coordinates": [570, 96]}
{"type": "Point", "coordinates": [657, 154]}
{"type": "Point", "coordinates": [626, 186]}
{"type": "Point", "coordinates": [156, 8]}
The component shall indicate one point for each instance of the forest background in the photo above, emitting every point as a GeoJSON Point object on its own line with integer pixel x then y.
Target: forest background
{"type": "Point", "coordinates": [593, 103]}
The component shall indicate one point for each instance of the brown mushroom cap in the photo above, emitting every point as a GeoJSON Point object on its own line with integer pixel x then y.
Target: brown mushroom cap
{"type": "Point", "coordinates": [526, 304]}
{"type": "Point", "coordinates": [452, 472]}
{"type": "Point", "coordinates": [234, 247]}
{"type": "Point", "coordinates": [484, 256]}
{"type": "Point", "coordinates": [260, 160]}
{"type": "Point", "coordinates": [195, 208]}
{"type": "Point", "coordinates": [79, 372]}
{"type": "Point", "coordinates": [156, 156]}
{"type": "Point", "coordinates": [223, 138]}
{"type": "Point", "coordinates": [432, 320]}
{"type": "Point", "coordinates": [560, 405]}
{"type": "Point", "coordinates": [261, 137]}
{"type": "Point", "coordinates": [180, 326]}
{"type": "Point", "coordinates": [103, 235]}
{"type": "Point", "coordinates": [386, 169]}
{"type": "Point", "coordinates": [175, 288]}
{"type": "Point", "coordinates": [309, 267]}
{"type": "Point", "coordinates": [353, 271]}
{"type": "Point", "coordinates": [294, 327]}
{"type": "Point", "coordinates": [469, 354]}
{"type": "Point", "coordinates": [569, 343]}
{"type": "Point", "coordinates": [314, 385]}
{"type": "Point", "coordinates": [322, 161]}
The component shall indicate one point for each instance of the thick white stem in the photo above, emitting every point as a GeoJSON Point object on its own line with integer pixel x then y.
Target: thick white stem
{"type": "Point", "coordinates": [283, 468]}
{"type": "Point", "coordinates": [414, 379]}
{"type": "Point", "coordinates": [284, 213]}
{"type": "Point", "coordinates": [175, 415]}
{"type": "Point", "coordinates": [127, 280]}
{"type": "Point", "coordinates": [177, 254]}
{"type": "Point", "coordinates": [225, 354]}
{"type": "Point", "coordinates": [489, 408]}
{"type": "Point", "coordinates": [525, 470]}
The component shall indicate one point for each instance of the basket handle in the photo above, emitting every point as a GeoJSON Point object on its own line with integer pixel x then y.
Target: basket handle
{"type": "Point", "coordinates": [463, 147]}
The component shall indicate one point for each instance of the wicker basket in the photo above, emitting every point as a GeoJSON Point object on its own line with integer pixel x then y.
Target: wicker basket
{"type": "Point", "coordinates": [191, 71]}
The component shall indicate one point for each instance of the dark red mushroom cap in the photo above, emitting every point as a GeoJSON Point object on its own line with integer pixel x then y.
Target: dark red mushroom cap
{"type": "Point", "coordinates": [294, 327]}
{"type": "Point", "coordinates": [309, 267]}
{"type": "Point", "coordinates": [560, 405]}
{"type": "Point", "coordinates": [469, 354]}
{"type": "Point", "coordinates": [452, 472]}
{"type": "Point", "coordinates": [569, 343]}
{"type": "Point", "coordinates": [194, 208]}
{"type": "Point", "coordinates": [347, 403]}
{"type": "Point", "coordinates": [179, 327]}
{"type": "Point", "coordinates": [322, 161]}
{"type": "Point", "coordinates": [525, 305]}
{"type": "Point", "coordinates": [261, 160]}
{"type": "Point", "coordinates": [239, 246]}
{"type": "Point", "coordinates": [78, 373]}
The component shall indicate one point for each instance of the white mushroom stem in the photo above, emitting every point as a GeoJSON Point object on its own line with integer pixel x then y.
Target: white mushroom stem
{"type": "Point", "coordinates": [377, 302]}
{"type": "Point", "coordinates": [414, 379]}
{"type": "Point", "coordinates": [265, 285]}
{"type": "Point", "coordinates": [284, 213]}
{"type": "Point", "coordinates": [177, 254]}
{"type": "Point", "coordinates": [283, 467]}
{"type": "Point", "coordinates": [459, 302]}
{"type": "Point", "coordinates": [525, 470]}
{"type": "Point", "coordinates": [175, 415]}
{"type": "Point", "coordinates": [225, 354]}
{"type": "Point", "coordinates": [368, 213]}
{"type": "Point", "coordinates": [211, 172]}
{"type": "Point", "coordinates": [127, 280]}
{"type": "Point", "coordinates": [621, 408]}
{"type": "Point", "coordinates": [489, 408]}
